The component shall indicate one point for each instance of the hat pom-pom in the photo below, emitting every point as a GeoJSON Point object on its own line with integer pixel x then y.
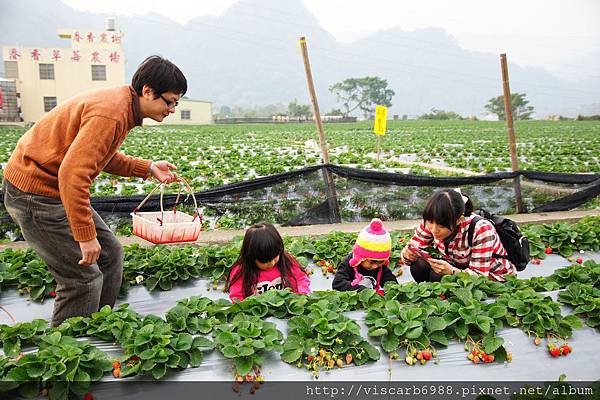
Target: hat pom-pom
{"type": "Point", "coordinates": [376, 225]}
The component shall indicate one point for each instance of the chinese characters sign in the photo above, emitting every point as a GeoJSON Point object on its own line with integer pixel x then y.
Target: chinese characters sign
{"type": "Point", "coordinates": [53, 55]}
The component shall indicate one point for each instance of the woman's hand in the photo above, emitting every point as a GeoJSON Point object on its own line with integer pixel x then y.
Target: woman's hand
{"type": "Point", "coordinates": [441, 267]}
{"type": "Point", "coordinates": [409, 255]}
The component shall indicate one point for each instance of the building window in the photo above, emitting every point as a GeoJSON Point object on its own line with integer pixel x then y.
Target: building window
{"type": "Point", "coordinates": [186, 114]}
{"type": "Point", "coordinates": [11, 69]}
{"type": "Point", "coordinates": [47, 71]}
{"type": "Point", "coordinates": [98, 72]}
{"type": "Point", "coordinates": [49, 103]}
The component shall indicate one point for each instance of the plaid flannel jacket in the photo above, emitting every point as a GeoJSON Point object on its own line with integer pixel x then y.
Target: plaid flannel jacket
{"type": "Point", "coordinates": [476, 260]}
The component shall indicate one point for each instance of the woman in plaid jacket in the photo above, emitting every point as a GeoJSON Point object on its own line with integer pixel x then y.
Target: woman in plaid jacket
{"type": "Point", "coordinates": [445, 226]}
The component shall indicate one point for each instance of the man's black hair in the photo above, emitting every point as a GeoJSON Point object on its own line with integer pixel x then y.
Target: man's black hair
{"type": "Point", "coordinates": [161, 75]}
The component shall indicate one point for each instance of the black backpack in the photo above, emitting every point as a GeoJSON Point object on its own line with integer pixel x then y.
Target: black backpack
{"type": "Point", "coordinates": [515, 244]}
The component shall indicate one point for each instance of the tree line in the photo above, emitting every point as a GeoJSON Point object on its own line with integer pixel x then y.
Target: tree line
{"type": "Point", "coordinates": [363, 94]}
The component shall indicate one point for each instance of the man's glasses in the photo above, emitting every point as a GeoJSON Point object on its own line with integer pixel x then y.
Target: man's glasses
{"type": "Point", "coordinates": [170, 104]}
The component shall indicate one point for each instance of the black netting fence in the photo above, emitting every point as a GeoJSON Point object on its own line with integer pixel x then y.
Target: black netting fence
{"type": "Point", "coordinates": [303, 197]}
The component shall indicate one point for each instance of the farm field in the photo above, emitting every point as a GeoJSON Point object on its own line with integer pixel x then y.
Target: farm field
{"type": "Point", "coordinates": [215, 155]}
{"type": "Point", "coordinates": [174, 322]}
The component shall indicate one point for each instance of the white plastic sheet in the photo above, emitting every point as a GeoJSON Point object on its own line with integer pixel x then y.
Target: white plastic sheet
{"type": "Point", "coordinates": [530, 363]}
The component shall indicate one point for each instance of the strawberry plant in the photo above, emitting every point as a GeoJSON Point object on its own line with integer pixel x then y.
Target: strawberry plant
{"type": "Point", "coordinates": [114, 325]}
{"type": "Point", "coordinates": [537, 314]}
{"type": "Point", "coordinates": [337, 338]}
{"type": "Point", "coordinates": [563, 238]}
{"type": "Point", "coordinates": [160, 266]}
{"type": "Point", "coordinates": [243, 340]}
{"type": "Point", "coordinates": [107, 324]}
{"type": "Point", "coordinates": [452, 308]}
{"type": "Point", "coordinates": [487, 350]}
{"type": "Point", "coordinates": [217, 260]}
{"type": "Point", "coordinates": [334, 247]}
{"type": "Point", "coordinates": [537, 283]}
{"type": "Point", "coordinates": [13, 338]}
{"type": "Point", "coordinates": [23, 269]}
{"type": "Point", "coordinates": [585, 299]}
{"type": "Point", "coordinates": [276, 303]}
{"type": "Point", "coordinates": [588, 273]}
{"type": "Point", "coordinates": [197, 315]}
{"type": "Point", "coordinates": [413, 292]}
{"type": "Point", "coordinates": [155, 348]}
{"type": "Point", "coordinates": [62, 364]}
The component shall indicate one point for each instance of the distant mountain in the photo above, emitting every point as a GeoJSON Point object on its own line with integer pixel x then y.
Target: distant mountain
{"type": "Point", "coordinates": [249, 56]}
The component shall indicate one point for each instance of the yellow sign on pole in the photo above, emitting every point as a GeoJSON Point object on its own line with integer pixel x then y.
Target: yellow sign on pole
{"type": "Point", "coordinates": [380, 120]}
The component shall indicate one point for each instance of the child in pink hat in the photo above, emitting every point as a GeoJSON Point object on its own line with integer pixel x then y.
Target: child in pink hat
{"type": "Point", "coordinates": [367, 265]}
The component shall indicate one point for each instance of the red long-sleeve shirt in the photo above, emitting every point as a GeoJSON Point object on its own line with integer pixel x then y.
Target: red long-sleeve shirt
{"type": "Point", "coordinates": [271, 279]}
{"type": "Point", "coordinates": [479, 258]}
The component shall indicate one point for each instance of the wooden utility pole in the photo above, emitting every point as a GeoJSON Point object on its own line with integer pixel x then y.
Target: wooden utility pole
{"type": "Point", "coordinates": [512, 141]}
{"type": "Point", "coordinates": [331, 193]}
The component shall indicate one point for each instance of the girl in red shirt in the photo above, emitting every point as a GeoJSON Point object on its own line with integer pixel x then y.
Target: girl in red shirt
{"type": "Point", "coordinates": [263, 265]}
{"type": "Point", "coordinates": [445, 226]}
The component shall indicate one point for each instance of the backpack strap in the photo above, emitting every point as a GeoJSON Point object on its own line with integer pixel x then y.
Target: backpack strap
{"type": "Point", "coordinates": [476, 219]}
{"type": "Point", "coordinates": [471, 232]}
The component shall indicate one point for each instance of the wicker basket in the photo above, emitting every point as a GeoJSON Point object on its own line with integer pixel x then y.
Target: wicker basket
{"type": "Point", "coordinates": [160, 227]}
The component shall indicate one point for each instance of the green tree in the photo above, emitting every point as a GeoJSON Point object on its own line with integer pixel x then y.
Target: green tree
{"type": "Point", "coordinates": [518, 104]}
{"type": "Point", "coordinates": [299, 110]}
{"type": "Point", "coordinates": [362, 94]}
{"type": "Point", "coordinates": [335, 111]}
{"type": "Point", "coordinates": [440, 114]}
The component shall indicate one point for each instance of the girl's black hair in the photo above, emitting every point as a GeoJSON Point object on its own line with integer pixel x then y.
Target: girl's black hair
{"type": "Point", "coordinates": [161, 75]}
{"type": "Point", "coordinates": [445, 207]}
{"type": "Point", "coordinates": [261, 242]}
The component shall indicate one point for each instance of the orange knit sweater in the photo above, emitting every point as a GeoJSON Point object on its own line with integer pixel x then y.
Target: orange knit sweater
{"type": "Point", "coordinates": [67, 148]}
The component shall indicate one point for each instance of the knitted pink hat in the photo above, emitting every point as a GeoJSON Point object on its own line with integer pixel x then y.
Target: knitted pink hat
{"type": "Point", "coordinates": [373, 242]}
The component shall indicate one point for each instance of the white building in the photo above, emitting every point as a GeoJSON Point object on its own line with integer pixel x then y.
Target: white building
{"type": "Point", "coordinates": [188, 112]}
{"type": "Point", "coordinates": [45, 77]}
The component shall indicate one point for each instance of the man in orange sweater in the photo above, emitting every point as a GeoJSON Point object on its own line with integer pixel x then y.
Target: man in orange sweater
{"type": "Point", "coordinates": [47, 180]}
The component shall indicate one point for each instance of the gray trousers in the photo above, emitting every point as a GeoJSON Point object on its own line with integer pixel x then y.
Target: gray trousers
{"type": "Point", "coordinates": [80, 290]}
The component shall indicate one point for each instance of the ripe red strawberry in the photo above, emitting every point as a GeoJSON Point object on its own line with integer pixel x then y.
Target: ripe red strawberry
{"type": "Point", "coordinates": [536, 261]}
{"type": "Point", "coordinates": [88, 396]}
{"type": "Point", "coordinates": [565, 349]}
{"type": "Point", "coordinates": [134, 358]}
{"type": "Point", "coordinates": [548, 250]}
{"type": "Point", "coordinates": [330, 269]}
{"type": "Point", "coordinates": [555, 352]}
{"type": "Point", "coordinates": [427, 355]}
{"type": "Point", "coordinates": [116, 365]}
{"type": "Point", "coordinates": [443, 297]}
{"type": "Point", "coordinates": [52, 294]}
{"type": "Point", "coordinates": [579, 260]}
{"type": "Point", "coordinates": [491, 358]}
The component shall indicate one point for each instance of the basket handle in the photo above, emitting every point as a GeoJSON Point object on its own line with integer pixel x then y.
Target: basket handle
{"type": "Point", "coordinates": [161, 185]}
{"type": "Point", "coordinates": [198, 213]}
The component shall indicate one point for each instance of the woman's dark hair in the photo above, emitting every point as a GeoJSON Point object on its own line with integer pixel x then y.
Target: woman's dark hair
{"type": "Point", "coordinates": [261, 242]}
{"type": "Point", "coordinates": [161, 75]}
{"type": "Point", "coordinates": [446, 206]}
